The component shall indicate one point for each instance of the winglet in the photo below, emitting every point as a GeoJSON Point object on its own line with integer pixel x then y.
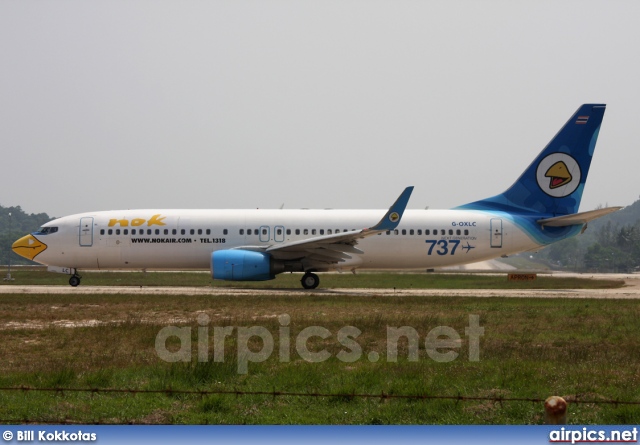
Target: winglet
{"type": "Point", "coordinates": [392, 218]}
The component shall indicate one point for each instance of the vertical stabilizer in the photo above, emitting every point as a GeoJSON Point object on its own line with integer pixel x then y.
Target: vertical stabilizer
{"type": "Point", "coordinates": [554, 182]}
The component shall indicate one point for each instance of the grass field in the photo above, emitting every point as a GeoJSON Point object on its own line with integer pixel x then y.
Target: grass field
{"type": "Point", "coordinates": [531, 348]}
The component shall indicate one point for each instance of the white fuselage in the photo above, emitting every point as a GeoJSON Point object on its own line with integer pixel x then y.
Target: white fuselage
{"type": "Point", "coordinates": [185, 239]}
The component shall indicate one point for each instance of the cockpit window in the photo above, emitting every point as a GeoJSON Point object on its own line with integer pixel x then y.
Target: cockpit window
{"type": "Point", "coordinates": [47, 230]}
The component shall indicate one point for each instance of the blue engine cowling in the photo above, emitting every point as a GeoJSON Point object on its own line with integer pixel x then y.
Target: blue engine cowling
{"type": "Point", "coordinates": [241, 265]}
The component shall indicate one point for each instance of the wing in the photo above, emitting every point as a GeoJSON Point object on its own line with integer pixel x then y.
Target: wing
{"type": "Point", "coordinates": [322, 251]}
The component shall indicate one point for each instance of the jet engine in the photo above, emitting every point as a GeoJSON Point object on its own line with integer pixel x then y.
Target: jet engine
{"type": "Point", "coordinates": [242, 265]}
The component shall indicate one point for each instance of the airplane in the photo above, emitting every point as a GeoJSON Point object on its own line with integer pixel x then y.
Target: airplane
{"type": "Point", "coordinates": [540, 208]}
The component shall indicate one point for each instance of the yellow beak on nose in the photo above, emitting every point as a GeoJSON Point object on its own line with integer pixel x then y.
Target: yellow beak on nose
{"type": "Point", "coordinates": [28, 247]}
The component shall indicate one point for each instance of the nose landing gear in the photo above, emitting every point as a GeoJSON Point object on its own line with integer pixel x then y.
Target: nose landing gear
{"type": "Point", "coordinates": [75, 280]}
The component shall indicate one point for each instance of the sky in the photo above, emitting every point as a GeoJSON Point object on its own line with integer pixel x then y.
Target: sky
{"type": "Point", "coordinates": [126, 104]}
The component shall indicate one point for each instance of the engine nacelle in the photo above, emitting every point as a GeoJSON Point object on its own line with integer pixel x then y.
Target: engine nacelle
{"type": "Point", "coordinates": [241, 265]}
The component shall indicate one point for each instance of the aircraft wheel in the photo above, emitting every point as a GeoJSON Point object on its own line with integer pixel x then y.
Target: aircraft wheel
{"type": "Point", "coordinates": [74, 281]}
{"type": "Point", "coordinates": [310, 280]}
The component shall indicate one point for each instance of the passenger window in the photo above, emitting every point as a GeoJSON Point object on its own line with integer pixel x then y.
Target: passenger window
{"type": "Point", "coordinates": [208, 231]}
{"type": "Point", "coordinates": [133, 231]}
{"type": "Point", "coordinates": [182, 232]}
{"type": "Point", "coordinates": [466, 231]}
{"type": "Point", "coordinates": [337, 230]}
{"type": "Point", "coordinates": [166, 231]}
{"type": "Point", "coordinates": [442, 232]}
{"type": "Point", "coordinates": [321, 231]}
{"type": "Point", "coordinates": [225, 232]}
{"type": "Point", "coordinates": [192, 231]}
{"type": "Point", "coordinates": [306, 231]}
{"type": "Point", "coordinates": [264, 231]}
{"type": "Point", "coordinates": [241, 231]}
{"type": "Point", "coordinates": [279, 231]}
{"type": "Point", "coordinates": [427, 232]}
{"type": "Point", "coordinates": [110, 231]}
{"type": "Point", "coordinates": [101, 231]}
{"type": "Point", "coordinates": [313, 231]}
{"type": "Point", "coordinates": [248, 231]}
{"type": "Point", "coordinates": [411, 232]}
{"type": "Point", "coordinates": [419, 231]}
{"type": "Point", "coordinates": [117, 231]}
{"type": "Point", "coordinates": [297, 231]}
{"type": "Point", "coordinates": [157, 231]}
{"type": "Point", "coordinates": [404, 231]}
{"type": "Point", "coordinates": [328, 231]}
{"type": "Point", "coordinates": [125, 231]}
{"type": "Point", "coordinates": [199, 231]}
{"type": "Point", "coordinates": [388, 232]}
{"type": "Point", "coordinates": [174, 231]}
{"type": "Point", "coordinates": [458, 232]}
{"type": "Point", "coordinates": [450, 231]}
{"type": "Point", "coordinates": [288, 231]}
{"type": "Point", "coordinates": [395, 232]}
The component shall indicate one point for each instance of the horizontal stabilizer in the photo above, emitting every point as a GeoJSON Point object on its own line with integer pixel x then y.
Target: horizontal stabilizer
{"type": "Point", "coordinates": [576, 218]}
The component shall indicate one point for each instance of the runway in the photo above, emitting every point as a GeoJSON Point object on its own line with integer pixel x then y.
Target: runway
{"type": "Point", "coordinates": [631, 290]}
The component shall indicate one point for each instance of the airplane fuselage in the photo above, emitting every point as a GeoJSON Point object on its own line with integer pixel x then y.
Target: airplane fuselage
{"type": "Point", "coordinates": [185, 239]}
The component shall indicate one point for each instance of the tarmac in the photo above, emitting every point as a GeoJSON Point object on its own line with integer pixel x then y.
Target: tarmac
{"type": "Point", "coordinates": [631, 290]}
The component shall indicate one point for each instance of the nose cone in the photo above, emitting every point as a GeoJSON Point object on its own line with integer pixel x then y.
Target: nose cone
{"type": "Point", "coordinates": [28, 247]}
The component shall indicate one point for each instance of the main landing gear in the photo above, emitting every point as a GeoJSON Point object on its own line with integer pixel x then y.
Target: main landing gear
{"type": "Point", "coordinates": [310, 280]}
{"type": "Point", "coordinates": [75, 280]}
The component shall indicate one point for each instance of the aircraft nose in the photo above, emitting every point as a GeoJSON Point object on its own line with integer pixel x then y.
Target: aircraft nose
{"type": "Point", "coordinates": [28, 246]}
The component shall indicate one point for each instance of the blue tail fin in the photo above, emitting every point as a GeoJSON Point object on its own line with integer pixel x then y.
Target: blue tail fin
{"type": "Point", "coordinates": [554, 182]}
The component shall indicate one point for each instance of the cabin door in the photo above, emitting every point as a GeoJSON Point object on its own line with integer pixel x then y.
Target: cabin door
{"type": "Point", "coordinates": [86, 231]}
{"type": "Point", "coordinates": [496, 232]}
